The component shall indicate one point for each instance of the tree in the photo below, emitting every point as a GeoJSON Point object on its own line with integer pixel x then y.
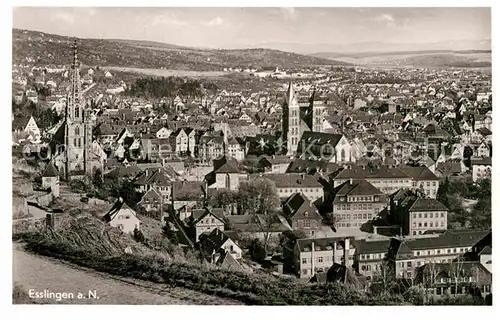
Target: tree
{"type": "Point", "coordinates": [443, 192]}
{"type": "Point", "coordinates": [468, 153]}
{"type": "Point", "coordinates": [138, 236]}
{"type": "Point", "coordinates": [257, 250]}
{"type": "Point", "coordinates": [331, 220]}
{"type": "Point", "coordinates": [480, 216]}
{"type": "Point", "coordinates": [170, 233]}
{"type": "Point", "coordinates": [222, 198]}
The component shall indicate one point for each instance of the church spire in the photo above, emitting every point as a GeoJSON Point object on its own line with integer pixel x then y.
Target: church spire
{"type": "Point", "coordinates": [75, 55]}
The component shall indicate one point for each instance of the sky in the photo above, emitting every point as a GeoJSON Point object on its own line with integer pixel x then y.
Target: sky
{"type": "Point", "coordinates": [292, 29]}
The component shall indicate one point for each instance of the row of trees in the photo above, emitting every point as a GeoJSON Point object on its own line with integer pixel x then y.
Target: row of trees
{"type": "Point", "coordinates": [168, 87]}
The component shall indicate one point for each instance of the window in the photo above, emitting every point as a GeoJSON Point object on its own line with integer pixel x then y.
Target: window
{"type": "Point", "coordinates": [363, 268]}
{"type": "Point", "coordinates": [442, 224]}
{"type": "Point", "coordinates": [428, 184]}
{"type": "Point", "coordinates": [414, 216]}
{"type": "Point", "coordinates": [77, 112]}
{"type": "Point", "coordinates": [402, 264]}
{"type": "Point", "coordinates": [320, 259]}
{"type": "Point", "coordinates": [408, 274]}
{"type": "Point", "coordinates": [448, 251]}
{"type": "Point", "coordinates": [304, 271]}
{"type": "Point", "coordinates": [304, 260]}
{"type": "Point", "coordinates": [420, 216]}
{"type": "Point", "coordinates": [425, 224]}
{"type": "Point", "coordinates": [425, 215]}
{"type": "Point", "coordinates": [408, 264]}
{"type": "Point", "coordinates": [431, 224]}
{"type": "Point", "coordinates": [433, 183]}
{"type": "Point", "coordinates": [77, 131]}
{"type": "Point", "coordinates": [420, 224]}
{"type": "Point", "coordinates": [442, 214]}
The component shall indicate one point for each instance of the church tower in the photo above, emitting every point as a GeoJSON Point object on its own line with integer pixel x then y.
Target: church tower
{"type": "Point", "coordinates": [291, 120]}
{"type": "Point", "coordinates": [78, 129]}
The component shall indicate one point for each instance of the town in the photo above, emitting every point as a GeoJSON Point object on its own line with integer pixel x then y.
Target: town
{"type": "Point", "coordinates": [377, 178]}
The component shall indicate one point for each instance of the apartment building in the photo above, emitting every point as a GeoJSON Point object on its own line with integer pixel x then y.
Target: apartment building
{"type": "Point", "coordinates": [369, 257]}
{"type": "Point", "coordinates": [384, 178]}
{"type": "Point", "coordinates": [301, 214]}
{"type": "Point", "coordinates": [427, 215]}
{"type": "Point", "coordinates": [318, 255]}
{"type": "Point", "coordinates": [454, 279]}
{"type": "Point", "coordinates": [290, 183]}
{"type": "Point", "coordinates": [423, 179]}
{"type": "Point", "coordinates": [405, 255]}
{"type": "Point", "coordinates": [355, 202]}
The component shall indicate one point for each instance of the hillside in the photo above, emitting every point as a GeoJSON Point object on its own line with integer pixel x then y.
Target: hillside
{"type": "Point", "coordinates": [426, 58]}
{"type": "Point", "coordinates": [49, 49]}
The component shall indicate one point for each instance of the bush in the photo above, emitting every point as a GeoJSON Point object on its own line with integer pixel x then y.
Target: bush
{"type": "Point", "coordinates": [251, 289]}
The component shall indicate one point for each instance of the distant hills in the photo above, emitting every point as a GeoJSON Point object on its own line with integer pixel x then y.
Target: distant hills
{"type": "Point", "coordinates": [425, 58]}
{"type": "Point", "coordinates": [44, 49]}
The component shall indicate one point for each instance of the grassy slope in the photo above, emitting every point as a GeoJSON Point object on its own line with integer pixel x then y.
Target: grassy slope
{"type": "Point", "coordinates": [54, 49]}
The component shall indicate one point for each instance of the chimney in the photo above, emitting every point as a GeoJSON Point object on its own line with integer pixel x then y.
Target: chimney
{"type": "Point", "coordinates": [350, 181]}
{"type": "Point", "coordinates": [375, 229]}
{"type": "Point", "coordinates": [346, 252]}
{"type": "Point", "coordinates": [312, 259]}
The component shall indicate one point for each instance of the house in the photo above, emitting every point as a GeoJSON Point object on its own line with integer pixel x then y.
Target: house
{"type": "Point", "coordinates": [184, 140]}
{"type": "Point", "coordinates": [211, 245]}
{"type": "Point", "coordinates": [290, 183]}
{"type": "Point", "coordinates": [354, 203]}
{"type": "Point", "coordinates": [406, 255]}
{"type": "Point", "coordinates": [152, 200]}
{"type": "Point", "coordinates": [108, 74]}
{"type": "Point", "coordinates": [328, 146]}
{"type": "Point", "coordinates": [50, 179]}
{"type": "Point", "coordinates": [481, 169]}
{"type": "Point", "coordinates": [370, 257]}
{"type": "Point", "coordinates": [259, 226]}
{"type": "Point", "coordinates": [158, 178]}
{"type": "Point", "coordinates": [301, 214]}
{"type": "Point", "coordinates": [204, 221]}
{"type": "Point", "coordinates": [454, 278]}
{"type": "Point", "coordinates": [123, 217]}
{"type": "Point", "coordinates": [163, 133]}
{"type": "Point", "coordinates": [314, 255]}
{"type": "Point", "coordinates": [427, 215]}
{"type": "Point", "coordinates": [423, 179]}
{"type": "Point", "coordinates": [234, 149]}
{"type": "Point", "coordinates": [338, 273]}
{"type": "Point", "coordinates": [226, 174]}
{"type": "Point", "coordinates": [274, 164]}
{"type": "Point", "coordinates": [32, 129]}
{"type": "Point", "coordinates": [483, 150]}
{"type": "Point", "coordinates": [212, 147]}
{"type": "Point", "coordinates": [483, 121]}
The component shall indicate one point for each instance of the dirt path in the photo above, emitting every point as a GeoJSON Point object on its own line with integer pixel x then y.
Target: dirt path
{"type": "Point", "coordinates": [41, 273]}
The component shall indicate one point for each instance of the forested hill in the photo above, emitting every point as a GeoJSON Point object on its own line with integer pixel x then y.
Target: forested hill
{"type": "Point", "coordinates": [49, 49]}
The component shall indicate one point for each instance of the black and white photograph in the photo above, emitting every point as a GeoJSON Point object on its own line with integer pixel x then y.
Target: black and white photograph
{"type": "Point", "coordinates": [251, 156]}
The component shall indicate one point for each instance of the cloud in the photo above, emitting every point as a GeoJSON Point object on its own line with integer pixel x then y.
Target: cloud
{"type": "Point", "coordinates": [289, 13]}
{"type": "Point", "coordinates": [386, 19]}
{"type": "Point", "coordinates": [214, 22]}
